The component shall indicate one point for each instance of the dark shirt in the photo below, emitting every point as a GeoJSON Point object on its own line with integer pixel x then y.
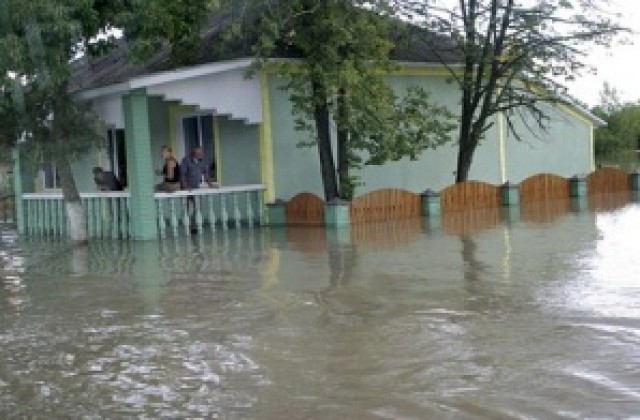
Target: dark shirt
{"type": "Point", "coordinates": [192, 171]}
{"type": "Point", "coordinates": [107, 181]}
{"type": "Point", "coordinates": [176, 171]}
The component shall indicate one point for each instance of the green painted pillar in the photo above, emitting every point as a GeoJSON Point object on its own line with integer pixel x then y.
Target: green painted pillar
{"type": "Point", "coordinates": [22, 183]}
{"type": "Point", "coordinates": [336, 214]}
{"type": "Point", "coordinates": [430, 203]}
{"type": "Point", "coordinates": [635, 180]}
{"type": "Point", "coordinates": [277, 215]}
{"type": "Point", "coordinates": [143, 211]}
{"type": "Point", "coordinates": [510, 194]}
{"type": "Point", "coordinates": [578, 186]}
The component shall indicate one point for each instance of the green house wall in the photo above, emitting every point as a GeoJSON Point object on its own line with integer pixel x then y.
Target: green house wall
{"type": "Point", "coordinates": [563, 149]}
{"type": "Point", "coordinates": [239, 152]}
{"type": "Point", "coordinates": [297, 169]}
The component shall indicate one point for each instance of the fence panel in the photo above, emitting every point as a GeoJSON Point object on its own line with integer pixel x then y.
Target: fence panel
{"type": "Point", "coordinates": [469, 195]}
{"type": "Point", "coordinates": [607, 180]}
{"type": "Point", "coordinates": [305, 209]}
{"type": "Point", "coordinates": [544, 187]}
{"type": "Point", "coordinates": [385, 205]}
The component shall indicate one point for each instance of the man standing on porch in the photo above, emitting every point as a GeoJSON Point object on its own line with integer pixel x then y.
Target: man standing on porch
{"type": "Point", "coordinates": [194, 171]}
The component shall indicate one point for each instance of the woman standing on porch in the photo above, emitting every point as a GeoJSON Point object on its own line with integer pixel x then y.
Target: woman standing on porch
{"type": "Point", "coordinates": [170, 172]}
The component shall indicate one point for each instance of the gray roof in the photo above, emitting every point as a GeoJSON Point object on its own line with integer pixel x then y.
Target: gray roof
{"type": "Point", "coordinates": [117, 66]}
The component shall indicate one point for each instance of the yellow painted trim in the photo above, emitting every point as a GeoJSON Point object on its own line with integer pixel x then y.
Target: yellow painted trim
{"type": "Point", "coordinates": [502, 146]}
{"type": "Point", "coordinates": [217, 140]}
{"type": "Point", "coordinates": [266, 141]}
{"type": "Point", "coordinates": [567, 109]}
{"type": "Point", "coordinates": [175, 110]}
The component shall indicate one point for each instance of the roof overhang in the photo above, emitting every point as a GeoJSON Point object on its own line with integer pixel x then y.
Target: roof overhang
{"type": "Point", "coordinates": [160, 78]}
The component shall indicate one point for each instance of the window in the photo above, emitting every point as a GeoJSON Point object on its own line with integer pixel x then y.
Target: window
{"type": "Point", "coordinates": [117, 154]}
{"type": "Point", "coordinates": [197, 131]}
{"type": "Point", "coordinates": [51, 180]}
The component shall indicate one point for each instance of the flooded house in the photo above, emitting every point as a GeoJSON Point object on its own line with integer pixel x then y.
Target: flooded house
{"type": "Point", "coordinates": [245, 126]}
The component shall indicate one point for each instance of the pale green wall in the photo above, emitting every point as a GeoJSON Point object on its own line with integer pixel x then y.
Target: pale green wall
{"type": "Point", "coordinates": [159, 125]}
{"type": "Point", "coordinates": [239, 152]}
{"type": "Point", "coordinates": [298, 170]}
{"type": "Point", "coordinates": [564, 149]}
{"type": "Point", "coordinates": [295, 169]}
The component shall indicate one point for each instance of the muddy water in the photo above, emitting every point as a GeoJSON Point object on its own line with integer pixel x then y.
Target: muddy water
{"type": "Point", "coordinates": [483, 315]}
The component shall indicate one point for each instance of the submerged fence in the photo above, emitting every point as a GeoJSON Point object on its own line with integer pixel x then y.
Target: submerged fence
{"type": "Point", "coordinates": [307, 209]}
{"type": "Point", "coordinates": [108, 214]}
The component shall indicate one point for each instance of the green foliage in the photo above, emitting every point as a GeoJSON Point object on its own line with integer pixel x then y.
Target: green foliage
{"type": "Point", "coordinates": [620, 138]}
{"type": "Point", "coordinates": [153, 24]}
{"type": "Point", "coordinates": [345, 48]}
{"type": "Point", "coordinates": [39, 39]}
{"type": "Point", "coordinates": [40, 43]}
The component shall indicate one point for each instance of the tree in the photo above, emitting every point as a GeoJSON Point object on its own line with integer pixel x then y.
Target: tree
{"type": "Point", "coordinates": [344, 50]}
{"type": "Point", "coordinates": [610, 101]}
{"type": "Point", "coordinates": [618, 140]}
{"type": "Point", "coordinates": [514, 55]}
{"type": "Point", "coordinates": [39, 42]}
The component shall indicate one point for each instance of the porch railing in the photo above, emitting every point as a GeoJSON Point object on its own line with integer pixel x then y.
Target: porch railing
{"type": "Point", "coordinates": [209, 209]}
{"type": "Point", "coordinates": [107, 213]}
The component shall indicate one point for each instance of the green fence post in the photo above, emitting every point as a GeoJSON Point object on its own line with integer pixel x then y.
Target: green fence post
{"type": "Point", "coordinates": [510, 194]}
{"type": "Point", "coordinates": [276, 212]}
{"type": "Point", "coordinates": [430, 203]}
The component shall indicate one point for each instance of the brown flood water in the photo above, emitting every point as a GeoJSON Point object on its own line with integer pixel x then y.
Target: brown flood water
{"type": "Point", "coordinates": [484, 315]}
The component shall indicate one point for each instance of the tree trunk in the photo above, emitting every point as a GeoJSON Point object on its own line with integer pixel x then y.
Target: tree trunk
{"type": "Point", "coordinates": [346, 189]}
{"type": "Point", "coordinates": [325, 151]}
{"type": "Point", "coordinates": [76, 226]}
{"type": "Point", "coordinates": [466, 150]}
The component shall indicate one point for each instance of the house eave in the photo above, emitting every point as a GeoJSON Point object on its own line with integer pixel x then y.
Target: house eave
{"type": "Point", "coordinates": [155, 79]}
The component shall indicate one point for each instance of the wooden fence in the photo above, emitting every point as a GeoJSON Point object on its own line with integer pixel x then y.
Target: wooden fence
{"type": "Point", "coordinates": [305, 209]}
{"type": "Point", "coordinates": [469, 195]}
{"type": "Point", "coordinates": [385, 205]}
{"type": "Point", "coordinates": [608, 180]}
{"type": "Point", "coordinates": [544, 187]}
{"type": "Point", "coordinates": [543, 198]}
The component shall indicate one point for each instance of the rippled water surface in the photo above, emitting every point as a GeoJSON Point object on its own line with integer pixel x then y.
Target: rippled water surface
{"type": "Point", "coordinates": [484, 315]}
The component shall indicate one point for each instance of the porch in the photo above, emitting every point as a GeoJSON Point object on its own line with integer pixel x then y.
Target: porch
{"type": "Point", "coordinates": [108, 214]}
{"type": "Point", "coordinates": [213, 107]}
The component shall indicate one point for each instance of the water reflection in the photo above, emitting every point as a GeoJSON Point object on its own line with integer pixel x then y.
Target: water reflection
{"type": "Point", "coordinates": [473, 268]}
{"type": "Point", "coordinates": [487, 315]}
